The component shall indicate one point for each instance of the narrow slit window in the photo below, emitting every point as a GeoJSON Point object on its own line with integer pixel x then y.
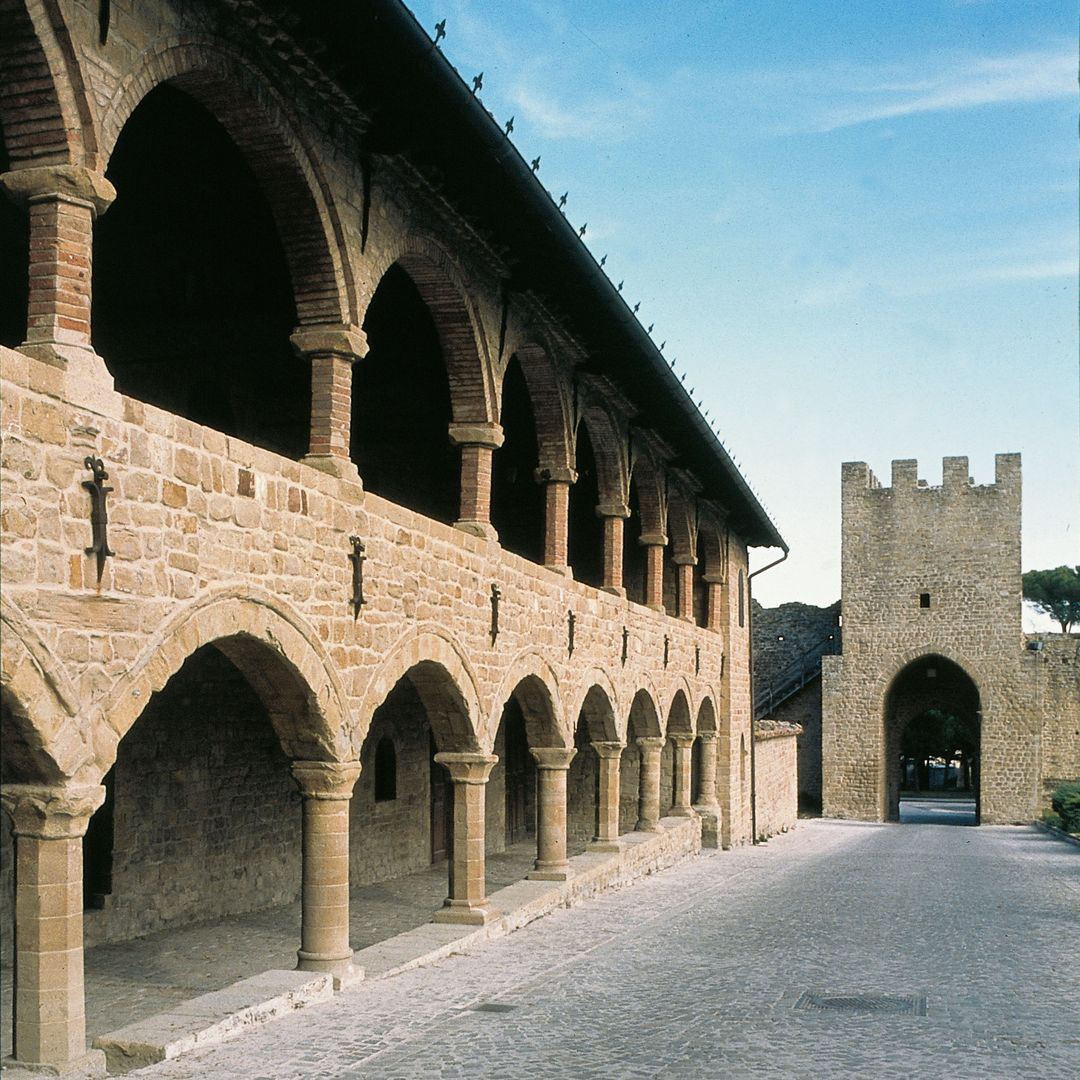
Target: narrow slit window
{"type": "Point", "coordinates": [924, 599]}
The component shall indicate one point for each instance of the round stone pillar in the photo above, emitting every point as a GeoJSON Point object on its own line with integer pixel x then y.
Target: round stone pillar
{"type": "Point", "coordinates": [557, 482]}
{"type": "Point", "coordinates": [331, 350]}
{"type": "Point", "coordinates": [684, 747]}
{"type": "Point", "coordinates": [326, 787]}
{"type": "Point", "coordinates": [50, 1008]}
{"type": "Point", "coordinates": [649, 788]}
{"type": "Point", "coordinates": [607, 809]}
{"type": "Point", "coordinates": [552, 764]}
{"type": "Point", "coordinates": [478, 442]}
{"type": "Point", "coordinates": [708, 805]}
{"type": "Point", "coordinates": [467, 902]}
{"type": "Point", "coordinates": [654, 544]}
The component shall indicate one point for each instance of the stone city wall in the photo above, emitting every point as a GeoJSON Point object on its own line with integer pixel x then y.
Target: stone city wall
{"type": "Point", "coordinates": [776, 787]}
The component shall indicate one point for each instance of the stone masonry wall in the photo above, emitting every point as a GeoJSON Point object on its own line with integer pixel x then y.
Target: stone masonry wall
{"type": "Point", "coordinates": [1053, 685]}
{"type": "Point", "coordinates": [775, 784]}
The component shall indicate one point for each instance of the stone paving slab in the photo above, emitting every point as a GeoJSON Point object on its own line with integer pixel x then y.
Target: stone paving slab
{"type": "Point", "coordinates": [212, 1018]}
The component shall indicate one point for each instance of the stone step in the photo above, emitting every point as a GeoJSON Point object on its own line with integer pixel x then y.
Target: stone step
{"type": "Point", "coordinates": [213, 1018]}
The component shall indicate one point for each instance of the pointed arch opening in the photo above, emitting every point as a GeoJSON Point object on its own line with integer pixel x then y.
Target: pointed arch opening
{"type": "Point", "coordinates": [401, 404]}
{"type": "Point", "coordinates": [193, 300]}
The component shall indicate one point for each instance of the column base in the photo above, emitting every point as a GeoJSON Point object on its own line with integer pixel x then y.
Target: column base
{"type": "Point", "coordinates": [648, 826]}
{"type": "Point", "coordinates": [484, 529]}
{"type": "Point", "coordinates": [91, 1066]}
{"type": "Point", "coordinates": [682, 811]}
{"type": "Point", "coordinates": [461, 913]}
{"type": "Point", "coordinates": [710, 825]}
{"type": "Point", "coordinates": [550, 873]}
{"type": "Point", "coordinates": [562, 571]}
{"type": "Point", "coordinates": [340, 968]}
{"type": "Point", "coordinates": [341, 467]}
{"type": "Point", "coordinates": [604, 847]}
{"type": "Point", "coordinates": [614, 590]}
{"type": "Point", "coordinates": [87, 383]}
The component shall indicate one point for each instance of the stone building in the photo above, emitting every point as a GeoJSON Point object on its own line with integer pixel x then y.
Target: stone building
{"type": "Point", "coordinates": [351, 519]}
{"type": "Point", "coordinates": [931, 593]}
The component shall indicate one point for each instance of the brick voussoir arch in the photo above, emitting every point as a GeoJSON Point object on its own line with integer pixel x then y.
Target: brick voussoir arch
{"type": "Point", "coordinates": [646, 691]}
{"type": "Point", "coordinates": [440, 670]}
{"type": "Point", "coordinates": [259, 122]}
{"type": "Point", "coordinates": [708, 716]}
{"type": "Point", "coordinates": [442, 285]}
{"type": "Point", "coordinates": [54, 743]}
{"type": "Point", "coordinates": [610, 449]}
{"type": "Point", "coordinates": [550, 395]}
{"type": "Point", "coordinates": [591, 679]}
{"type": "Point", "coordinates": [533, 681]}
{"type": "Point", "coordinates": [301, 691]}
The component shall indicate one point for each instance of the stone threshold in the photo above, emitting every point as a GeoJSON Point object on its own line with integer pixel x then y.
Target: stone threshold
{"type": "Point", "coordinates": [224, 1014]}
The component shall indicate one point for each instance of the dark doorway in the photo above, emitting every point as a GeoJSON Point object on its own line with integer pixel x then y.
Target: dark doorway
{"type": "Point", "coordinates": [401, 405]}
{"type": "Point", "coordinates": [932, 732]}
{"type": "Point", "coordinates": [192, 303]}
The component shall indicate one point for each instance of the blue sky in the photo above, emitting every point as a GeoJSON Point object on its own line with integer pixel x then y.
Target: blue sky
{"type": "Point", "coordinates": [854, 225]}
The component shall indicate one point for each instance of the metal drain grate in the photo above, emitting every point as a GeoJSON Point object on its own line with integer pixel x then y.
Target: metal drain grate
{"type": "Point", "coordinates": [903, 1004]}
{"type": "Point", "coordinates": [493, 1006]}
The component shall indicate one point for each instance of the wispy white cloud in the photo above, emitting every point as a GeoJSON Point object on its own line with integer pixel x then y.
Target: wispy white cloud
{"type": "Point", "coordinates": [965, 83]}
{"type": "Point", "coordinates": [611, 119]}
{"type": "Point", "coordinates": [1030, 271]}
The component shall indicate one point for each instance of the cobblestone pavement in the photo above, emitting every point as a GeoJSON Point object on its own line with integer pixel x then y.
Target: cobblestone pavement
{"type": "Point", "coordinates": [700, 971]}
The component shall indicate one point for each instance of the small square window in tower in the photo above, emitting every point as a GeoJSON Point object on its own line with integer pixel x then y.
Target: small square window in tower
{"type": "Point", "coordinates": [924, 599]}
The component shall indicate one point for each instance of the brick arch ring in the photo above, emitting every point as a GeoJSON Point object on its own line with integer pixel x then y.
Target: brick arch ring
{"type": "Point", "coordinates": [531, 668]}
{"type": "Point", "coordinates": [708, 716]}
{"type": "Point", "coordinates": [260, 123]}
{"type": "Point", "coordinates": [442, 284]}
{"type": "Point", "coordinates": [447, 686]}
{"type": "Point", "coordinates": [267, 640]}
{"type": "Point", "coordinates": [643, 685]}
{"type": "Point", "coordinates": [44, 699]}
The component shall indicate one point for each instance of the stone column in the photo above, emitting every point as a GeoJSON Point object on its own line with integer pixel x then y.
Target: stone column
{"type": "Point", "coordinates": [685, 588]}
{"type": "Point", "coordinates": [326, 787]}
{"type": "Point", "coordinates": [684, 746]}
{"type": "Point", "coordinates": [556, 517]}
{"type": "Point", "coordinates": [607, 809]}
{"type": "Point", "coordinates": [331, 350]}
{"type": "Point", "coordinates": [613, 516]}
{"type": "Point", "coordinates": [478, 442]}
{"type": "Point", "coordinates": [715, 585]}
{"type": "Point", "coordinates": [654, 544]}
{"type": "Point", "coordinates": [50, 1009]}
{"type": "Point", "coordinates": [467, 902]}
{"type": "Point", "coordinates": [552, 764]}
{"type": "Point", "coordinates": [649, 789]}
{"type": "Point", "coordinates": [708, 805]}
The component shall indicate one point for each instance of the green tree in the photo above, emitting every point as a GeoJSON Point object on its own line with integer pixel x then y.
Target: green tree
{"type": "Point", "coordinates": [1055, 593]}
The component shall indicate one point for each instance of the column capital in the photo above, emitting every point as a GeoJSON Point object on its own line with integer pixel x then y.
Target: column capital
{"type": "Point", "coordinates": [70, 183]}
{"type": "Point", "coordinates": [708, 736]}
{"type": "Point", "coordinates": [553, 757]}
{"type": "Point", "coordinates": [555, 474]}
{"type": "Point", "coordinates": [51, 813]}
{"type": "Point", "coordinates": [328, 780]}
{"type": "Point", "coordinates": [608, 749]}
{"type": "Point", "coordinates": [682, 739]}
{"type": "Point", "coordinates": [652, 540]}
{"type": "Point", "coordinates": [334, 339]}
{"type": "Point", "coordinates": [482, 434]}
{"type": "Point", "coordinates": [650, 742]}
{"type": "Point", "coordinates": [684, 560]}
{"type": "Point", "coordinates": [467, 768]}
{"type": "Point", "coordinates": [614, 509]}
{"type": "Point", "coordinates": [713, 577]}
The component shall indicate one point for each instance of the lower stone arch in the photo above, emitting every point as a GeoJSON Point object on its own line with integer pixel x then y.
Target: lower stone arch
{"type": "Point", "coordinates": [44, 739]}
{"type": "Point", "coordinates": [301, 691]}
{"type": "Point", "coordinates": [533, 683]}
{"type": "Point", "coordinates": [442, 676]}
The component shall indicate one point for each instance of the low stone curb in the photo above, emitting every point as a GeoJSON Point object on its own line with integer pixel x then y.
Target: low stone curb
{"type": "Point", "coordinates": [1061, 834]}
{"type": "Point", "coordinates": [213, 1018]}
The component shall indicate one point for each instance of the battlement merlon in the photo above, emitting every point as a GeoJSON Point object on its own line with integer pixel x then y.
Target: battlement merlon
{"type": "Point", "coordinates": [857, 476]}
